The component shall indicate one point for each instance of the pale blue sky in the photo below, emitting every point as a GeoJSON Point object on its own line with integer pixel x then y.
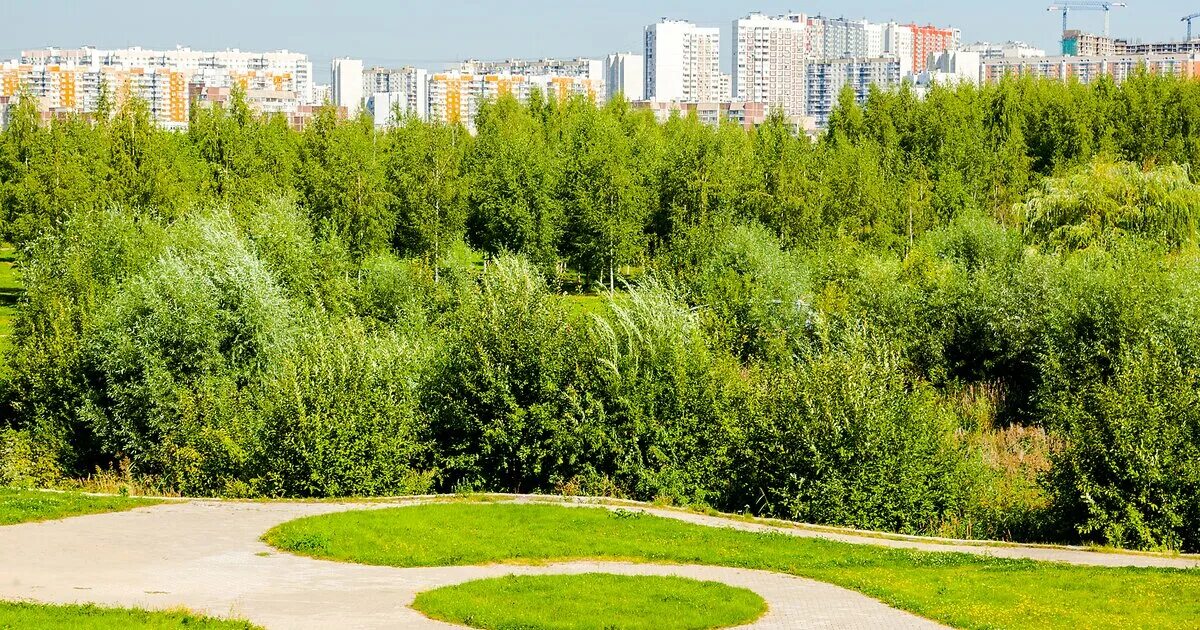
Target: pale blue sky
{"type": "Point", "coordinates": [432, 33]}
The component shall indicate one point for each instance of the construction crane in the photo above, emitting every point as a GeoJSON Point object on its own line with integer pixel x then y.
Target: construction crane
{"type": "Point", "coordinates": [1189, 19]}
{"type": "Point", "coordinates": [1083, 5]}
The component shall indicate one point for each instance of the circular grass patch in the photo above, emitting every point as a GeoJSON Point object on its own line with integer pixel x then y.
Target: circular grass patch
{"type": "Point", "coordinates": [592, 601]}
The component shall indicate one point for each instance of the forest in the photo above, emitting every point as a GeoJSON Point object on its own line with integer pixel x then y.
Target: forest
{"type": "Point", "coordinates": [975, 313]}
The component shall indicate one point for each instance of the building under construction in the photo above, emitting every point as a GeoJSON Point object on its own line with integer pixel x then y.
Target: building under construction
{"type": "Point", "coordinates": [1079, 44]}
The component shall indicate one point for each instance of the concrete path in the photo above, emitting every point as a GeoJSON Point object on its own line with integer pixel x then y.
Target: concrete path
{"type": "Point", "coordinates": [1045, 553]}
{"type": "Point", "coordinates": [206, 556]}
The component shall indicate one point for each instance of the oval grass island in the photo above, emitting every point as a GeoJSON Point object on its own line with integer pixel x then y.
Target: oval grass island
{"type": "Point", "coordinates": [590, 601]}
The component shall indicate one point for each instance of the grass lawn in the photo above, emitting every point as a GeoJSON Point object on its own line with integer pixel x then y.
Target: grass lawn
{"type": "Point", "coordinates": [592, 602]}
{"type": "Point", "coordinates": [961, 590]}
{"type": "Point", "coordinates": [23, 506]}
{"type": "Point", "coordinates": [38, 616]}
{"type": "Point", "coordinates": [11, 290]}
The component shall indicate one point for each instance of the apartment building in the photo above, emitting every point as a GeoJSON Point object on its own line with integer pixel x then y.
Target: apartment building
{"type": "Point", "coordinates": [580, 68]}
{"type": "Point", "coordinates": [346, 85]}
{"type": "Point", "coordinates": [388, 91]}
{"type": "Point", "coordinates": [826, 78]}
{"type": "Point", "coordinates": [70, 81]}
{"type": "Point", "coordinates": [952, 67]}
{"type": "Point", "coordinates": [625, 73]}
{"type": "Point", "coordinates": [455, 97]}
{"type": "Point", "coordinates": [931, 39]}
{"type": "Point", "coordinates": [1077, 43]}
{"type": "Point", "coordinates": [1016, 50]}
{"type": "Point", "coordinates": [682, 62]}
{"type": "Point", "coordinates": [1091, 68]}
{"type": "Point", "coordinates": [900, 41]}
{"type": "Point", "coordinates": [769, 59]}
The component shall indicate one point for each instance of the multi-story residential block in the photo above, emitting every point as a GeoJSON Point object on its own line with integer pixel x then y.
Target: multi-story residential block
{"type": "Point", "coordinates": [682, 62]}
{"type": "Point", "coordinates": [71, 80]}
{"type": "Point", "coordinates": [1017, 50]}
{"type": "Point", "coordinates": [899, 41]}
{"type": "Point", "coordinates": [769, 59]}
{"type": "Point", "coordinates": [842, 37]}
{"type": "Point", "coordinates": [826, 79]}
{"type": "Point", "coordinates": [625, 73]}
{"type": "Point", "coordinates": [1080, 44]}
{"type": "Point", "coordinates": [1077, 43]}
{"type": "Point", "coordinates": [455, 97]}
{"type": "Point", "coordinates": [931, 39]}
{"type": "Point", "coordinates": [579, 68]}
{"type": "Point", "coordinates": [388, 92]}
{"type": "Point", "coordinates": [952, 67]}
{"type": "Point", "coordinates": [346, 85]}
{"type": "Point", "coordinates": [1091, 68]}
{"type": "Point", "coordinates": [322, 94]}
{"type": "Point", "coordinates": [744, 114]}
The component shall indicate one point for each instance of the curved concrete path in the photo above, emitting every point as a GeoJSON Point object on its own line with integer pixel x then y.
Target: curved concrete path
{"type": "Point", "coordinates": [206, 556]}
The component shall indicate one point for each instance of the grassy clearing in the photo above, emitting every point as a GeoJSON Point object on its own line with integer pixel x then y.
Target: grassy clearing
{"type": "Point", "coordinates": [11, 290]}
{"type": "Point", "coordinates": [962, 590]}
{"type": "Point", "coordinates": [24, 506]}
{"type": "Point", "coordinates": [592, 602]}
{"type": "Point", "coordinates": [40, 616]}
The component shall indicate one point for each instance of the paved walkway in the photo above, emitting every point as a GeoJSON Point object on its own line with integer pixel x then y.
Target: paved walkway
{"type": "Point", "coordinates": [1069, 555]}
{"type": "Point", "coordinates": [206, 556]}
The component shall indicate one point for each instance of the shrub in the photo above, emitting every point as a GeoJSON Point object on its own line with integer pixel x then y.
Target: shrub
{"type": "Point", "coordinates": [1129, 475]}
{"type": "Point", "coordinates": [505, 413]}
{"type": "Point", "coordinates": [845, 438]}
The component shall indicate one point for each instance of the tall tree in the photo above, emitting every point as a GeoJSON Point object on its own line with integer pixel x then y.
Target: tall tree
{"type": "Point", "coordinates": [425, 178]}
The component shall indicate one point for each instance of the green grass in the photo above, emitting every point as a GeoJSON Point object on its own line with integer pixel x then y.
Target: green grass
{"type": "Point", "coordinates": [962, 590]}
{"type": "Point", "coordinates": [11, 291]}
{"type": "Point", "coordinates": [592, 602]}
{"type": "Point", "coordinates": [23, 506]}
{"type": "Point", "coordinates": [39, 616]}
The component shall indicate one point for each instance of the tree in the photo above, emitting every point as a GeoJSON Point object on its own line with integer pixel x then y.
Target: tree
{"type": "Point", "coordinates": [607, 197]}
{"type": "Point", "coordinates": [425, 179]}
{"type": "Point", "coordinates": [342, 182]}
{"type": "Point", "coordinates": [514, 176]}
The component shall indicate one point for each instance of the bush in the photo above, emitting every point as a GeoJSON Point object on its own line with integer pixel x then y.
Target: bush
{"type": "Point", "coordinates": [672, 404]}
{"type": "Point", "coordinates": [338, 415]}
{"type": "Point", "coordinates": [505, 412]}
{"type": "Point", "coordinates": [24, 461]}
{"type": "Point", "coordinates": [1129, 475]}
{"type": "Point", "coordinates": [845, 438]}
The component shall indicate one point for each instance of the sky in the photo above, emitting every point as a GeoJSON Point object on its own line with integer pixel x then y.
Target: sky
{"type": "Point", "coordinates": [435, 33]}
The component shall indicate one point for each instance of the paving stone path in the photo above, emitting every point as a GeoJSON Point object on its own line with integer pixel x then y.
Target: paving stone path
{"type": "Point", "coordinates": [206, 556]}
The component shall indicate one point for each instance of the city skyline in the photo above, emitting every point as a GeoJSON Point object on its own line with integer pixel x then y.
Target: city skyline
{"type": "Point", "coordinates": [437, 36]}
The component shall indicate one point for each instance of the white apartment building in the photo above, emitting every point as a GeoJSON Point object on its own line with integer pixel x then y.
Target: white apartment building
{"type": "Point", "coordinates": [580, 68]}
{"type": "Point", "coordinates": [850, 38]}
{"type": "Point", "coordinates": [455, 97]}
{"type": "Point", "coordinates": [625, 73]}
{"type": "Point", "coordinates": [826, 78]}
{"type": "Point", "coordinates": [1011, 50]}
{"type": "Point", "coordinates": [322, 94]}
{"type": "Point", "coordinates": [346, 85]}
{"type": "Point", "coordinates": [899, 41]}
{"type": "Point", "coordinates": [70, 80]}
{"type": "Point", "coordinates": [387, 91]}
{"type": "Point", "coordinates": [290, 70]}
{"type": "Point", "coordinates": [769, 59]}
{"type": "Point", "coordinates": [952, 67]}
{"type": "Point", "coordinates": [1087, 69]}
{"type": "Point", "coordinates": [683, 62]}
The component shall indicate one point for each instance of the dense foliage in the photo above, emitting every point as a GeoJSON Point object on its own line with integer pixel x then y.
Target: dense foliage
{"type": "Point", "coordinates": [974, 313]}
